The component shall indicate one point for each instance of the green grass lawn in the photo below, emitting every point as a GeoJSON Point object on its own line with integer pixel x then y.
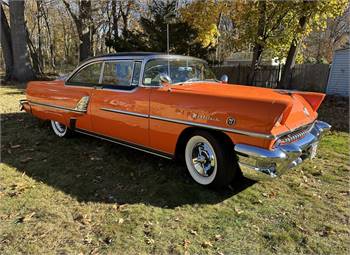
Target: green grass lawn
{"type": "Point", "coordinates": [86, 196]}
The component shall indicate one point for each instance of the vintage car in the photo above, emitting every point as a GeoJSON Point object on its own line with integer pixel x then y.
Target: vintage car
{"type": "Point", "coordinates": [173, 106]}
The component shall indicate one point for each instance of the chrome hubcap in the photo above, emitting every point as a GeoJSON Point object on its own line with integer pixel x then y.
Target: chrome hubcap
{"type": "Point", "coordinates": [203, 159]}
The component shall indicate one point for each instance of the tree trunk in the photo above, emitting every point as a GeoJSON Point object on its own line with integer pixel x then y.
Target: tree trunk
{"type": "Point", "coordinates": [6, 45]}
{"type": "Point", "coordinates": [85, 35]}
{"type": "Point", "coordinates": [22, 70]}
{"type": "Point", "coordinates": [290, 62]}
{"type": "Point", "coordinates": [83, 24]}
{"type": "Point", "coordinates": [257, 51]}
{"type": "Point", "coordinates": [260, 40]}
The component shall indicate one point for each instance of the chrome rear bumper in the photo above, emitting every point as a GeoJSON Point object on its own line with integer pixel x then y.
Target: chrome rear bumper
{"type": "Point", "coordinates": [262, 164]}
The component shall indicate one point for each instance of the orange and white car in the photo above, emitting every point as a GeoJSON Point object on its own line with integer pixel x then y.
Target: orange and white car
{"type": "Point", "coordinates": [173, 106]}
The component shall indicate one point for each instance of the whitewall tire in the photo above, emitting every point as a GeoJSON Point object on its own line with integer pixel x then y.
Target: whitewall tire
{"type": "Point", "coordinates": [209, 160]}
{"type": "Point", "coordinates": [59, 129]}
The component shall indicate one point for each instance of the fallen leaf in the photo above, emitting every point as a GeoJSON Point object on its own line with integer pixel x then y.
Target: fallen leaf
{"type": "Point", "coordinates": [218, 237]}
{"type": "Point", "coordinates": [107, 240]}
{"type": "Point", "coordinates": [193, 232]}
{"type": "Point", "coordinates": [15, 146]}
{"type": "Point", "coordinates": [26, 160]}
{"type": "Point", "coordinates": [120, 221]}
{"type": "Point", "coordinates": [238, 211]}
{"type": "Point", "coordinates": [25, 218]}
{"type": "Point", "coordinates": [207, 244]}
{"type": "Point", "coordinates": [149, 241]}
{"type": "Point", "coordinates": [186, 243]}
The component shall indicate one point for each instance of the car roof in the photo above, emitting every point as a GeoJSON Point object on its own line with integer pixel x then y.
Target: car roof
{"type": "Point", "coordinates": [137, 55]}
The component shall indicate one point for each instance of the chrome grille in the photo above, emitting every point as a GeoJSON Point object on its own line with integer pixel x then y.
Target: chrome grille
{"type": "Point", "coordinates": [295, 135]}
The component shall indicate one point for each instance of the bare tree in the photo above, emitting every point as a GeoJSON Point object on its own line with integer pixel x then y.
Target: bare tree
{"type": "Point", "coordinates": [22, 68]}
{"type": "Point", "coordinates": [6, 44]}
{"type": "Point", "coordinates": [84, 26]}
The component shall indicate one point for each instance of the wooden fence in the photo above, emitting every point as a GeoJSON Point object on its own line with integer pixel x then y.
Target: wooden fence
{"type": "Point", "coordinates": [311, 77]}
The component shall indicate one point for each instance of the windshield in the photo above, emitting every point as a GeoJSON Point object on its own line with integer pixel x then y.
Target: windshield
{"type": "Point", "coordinates": [179, 70]}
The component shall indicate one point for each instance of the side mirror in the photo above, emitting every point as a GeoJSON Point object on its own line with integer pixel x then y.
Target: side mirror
{"type": "Point", "coordinates": [164, 78]}
{"type": "Point", "coordinates": [224, 78]}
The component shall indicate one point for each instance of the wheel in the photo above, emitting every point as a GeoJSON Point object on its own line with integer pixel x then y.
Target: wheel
{"type": "Point", "coordinates": [210, 160]}
{"type": "Point", "coordinates": [60, 129]}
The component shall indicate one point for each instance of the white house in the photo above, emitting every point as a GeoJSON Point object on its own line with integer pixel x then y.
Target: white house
{"type": "Point", "coordinates": [339, 78]}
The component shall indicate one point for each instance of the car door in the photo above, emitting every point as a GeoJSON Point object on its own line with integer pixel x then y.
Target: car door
{"type": "Point", "coordinates": [120, 108]}
{"type": "Point", "coordinates": [78, 90]}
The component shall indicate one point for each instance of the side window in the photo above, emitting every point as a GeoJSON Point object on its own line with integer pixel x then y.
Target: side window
{"type": "Point", "coordinates": [136, 74]}
{"type": "Point", "coordinates": [152, 72]}
{"type": "Point", "coordinates": [88, 75]}
{"type": "Point", "coordinates": [117, 74]}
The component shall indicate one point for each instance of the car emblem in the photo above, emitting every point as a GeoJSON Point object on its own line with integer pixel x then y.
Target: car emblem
{"type": "Point", "coordinates": [306, 112]}
{"type": "Point", "coordinates": [230, 121]}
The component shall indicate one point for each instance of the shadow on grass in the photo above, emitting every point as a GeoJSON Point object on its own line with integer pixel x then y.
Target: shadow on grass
{"type": "Point", "coordinates": [90, 169]}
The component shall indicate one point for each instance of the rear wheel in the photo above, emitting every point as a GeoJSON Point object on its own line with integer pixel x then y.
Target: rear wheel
{"type": "Point", "coordinates": [60, 130]}
{"type": "Point", "coordinates": [209, 160]}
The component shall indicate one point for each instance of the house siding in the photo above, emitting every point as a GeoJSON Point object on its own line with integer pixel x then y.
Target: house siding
{"type": "Point", "coordinates": [339, 78]}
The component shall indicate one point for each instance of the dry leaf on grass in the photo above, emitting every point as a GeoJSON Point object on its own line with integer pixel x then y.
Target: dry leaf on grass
{"type": "Point", "coordinates": [25, 218]}
{"type": "Point", "coordinates": [207, 244]}
{"type": "Point", "coordinates": [193, 232]}
{"type": "Point", "coordinates": [15, 146]}
{"type": "Point", "coordinates": [26, 160]}
{"type": "Point", "coordinates": [149, 241]}
{"type": "Point", "coordinates": [120, 221]}
{"type": "Point", "coordinates": [217, 237]}
{"type": "Point", "coordinates": [238, 211]}
{"type": "Point", "coordinates": [186, 243]}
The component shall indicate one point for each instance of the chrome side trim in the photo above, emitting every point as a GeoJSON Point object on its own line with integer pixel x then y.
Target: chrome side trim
{"type": "Point", "coordinates": [231, 130]}
{"type": "Point", "coordinates": [56, 107]}
{"type": "Point", "coordinates": [125, 112]}
{"type": "Point", "coordinates": [124, 143]}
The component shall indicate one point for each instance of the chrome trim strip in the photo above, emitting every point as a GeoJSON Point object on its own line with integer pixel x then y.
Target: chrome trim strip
{"type": "Point", "coordinates": [125, 112]}
{"type": "Point", "coordinates": [231, 130]}
{"type": "Point", "coordinates": [120, 90]}
{"type": "Point", "coordinates": [294, 129]}
{"type": "Point", "coordinates": [56, 107]}
{"type": "Point", "coordinates": [120, 142]}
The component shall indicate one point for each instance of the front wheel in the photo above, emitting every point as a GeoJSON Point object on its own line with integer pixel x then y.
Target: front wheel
{"type": "Point", "coordinates": [60, 130]}
{"type": "Point", "coordinates": [209, 160]}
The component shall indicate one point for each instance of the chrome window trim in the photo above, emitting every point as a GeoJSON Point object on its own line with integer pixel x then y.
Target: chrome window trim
{"type": "Point", "coordinates": [101, 73]}
{"type": "Point", "coordinates": [143, 59]}
{"type": "Point", "coordinates": [121, 90]}
{"type": "Point", "coordinates": [79, 68]}
{"type": "Point", "coordinates": [125, 112]}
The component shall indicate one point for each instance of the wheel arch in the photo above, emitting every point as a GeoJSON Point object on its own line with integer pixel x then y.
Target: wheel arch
{"type": "Point", "coordinates": [186, 134]}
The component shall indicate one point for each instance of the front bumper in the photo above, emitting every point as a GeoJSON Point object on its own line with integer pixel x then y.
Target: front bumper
{"type": "Point", "coordinates": [262, 164]}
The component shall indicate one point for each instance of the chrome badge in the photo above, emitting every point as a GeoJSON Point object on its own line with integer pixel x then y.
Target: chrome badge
{"type": "Point", "coordinates": [230, 121]}
{"type": "Point", "coordinates": [306, 112]}
{"type": "Point", "coordinates": [203, 117]}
